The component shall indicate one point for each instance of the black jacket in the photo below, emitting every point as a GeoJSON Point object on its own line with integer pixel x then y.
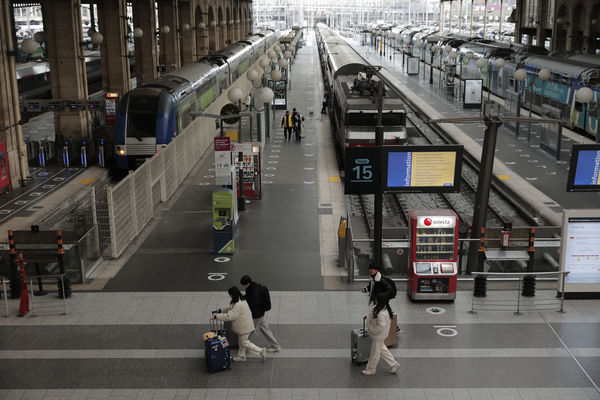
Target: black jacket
{"type": "Point", "coordinates": [254, 300]}
{"type": "Point", "coordinates": [380, 288]}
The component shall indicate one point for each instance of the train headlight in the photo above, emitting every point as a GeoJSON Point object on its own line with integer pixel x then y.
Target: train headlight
{"type": "Point", "coordinates": [121, 151]}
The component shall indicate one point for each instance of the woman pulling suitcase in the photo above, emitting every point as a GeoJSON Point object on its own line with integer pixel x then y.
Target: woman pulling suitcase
{"type": "Point", "coordinates": [238, 312]}
{"type": "Point", "coordinates": [378, 322]}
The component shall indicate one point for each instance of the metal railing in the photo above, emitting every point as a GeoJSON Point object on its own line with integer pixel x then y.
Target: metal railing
{"type": "Point", "coordinates": [519, 303]}
{"type": "Point", "coordinates": [47, 305]}
{"type": "Point", "coordinates": [5, 295]}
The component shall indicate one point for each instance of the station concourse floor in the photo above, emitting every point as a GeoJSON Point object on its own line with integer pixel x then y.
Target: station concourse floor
{"type": "Point", "coordinates": [135, 332]}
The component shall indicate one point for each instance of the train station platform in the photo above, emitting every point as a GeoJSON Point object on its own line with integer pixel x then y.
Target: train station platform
{"type": "Point", "coordinates": [530, 171]}
{"type": "Point", "coordinates": [135, 332]}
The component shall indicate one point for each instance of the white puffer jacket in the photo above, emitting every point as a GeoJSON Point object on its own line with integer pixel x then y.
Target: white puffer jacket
{"type": "Point", "coordinates": [379, 328]}
{"type": "Point", "coordinates": [240, 316]}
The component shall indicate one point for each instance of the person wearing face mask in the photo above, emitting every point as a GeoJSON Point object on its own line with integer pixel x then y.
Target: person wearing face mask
{"type": "Point", "coordinates": [238, 312]}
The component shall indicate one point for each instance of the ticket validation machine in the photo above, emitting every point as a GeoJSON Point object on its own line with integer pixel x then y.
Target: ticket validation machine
{"type": "Point", "coordinates": [433, 266]}
{"type": "Point", "coordinates": [224, 212]}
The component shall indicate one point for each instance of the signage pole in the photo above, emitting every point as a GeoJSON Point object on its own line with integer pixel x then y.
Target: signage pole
{"type": "Point", "coordinates": [483, 187]}
{"type": "Point", "coordinates": [378, 204]}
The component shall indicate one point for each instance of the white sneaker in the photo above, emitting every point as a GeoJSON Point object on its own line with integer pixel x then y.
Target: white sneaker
{"type": "Point", "coordinates": [394, 368]}
{"type": "Point", "coordinates": [274, 349]}
{"type": "Point", "coordinates": [367, 372]}
{"type": "Point", "coordinates": [237, 358]}
{"type": "Point", "coordinates": [263, 354]}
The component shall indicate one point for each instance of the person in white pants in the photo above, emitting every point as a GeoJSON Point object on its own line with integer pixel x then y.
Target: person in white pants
{"type": "Point", "coordinates": [238, 312]}
{"type": "Point", "coordinates": [378, 322]}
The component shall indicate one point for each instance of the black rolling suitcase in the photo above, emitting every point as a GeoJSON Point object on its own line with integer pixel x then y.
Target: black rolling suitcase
{"type": "Point", "coordinates": [360, 345]}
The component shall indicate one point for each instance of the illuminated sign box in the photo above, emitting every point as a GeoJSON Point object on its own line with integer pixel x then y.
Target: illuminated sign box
{"type": "Point", "coordinates": [422, 168]}
{"type": "Point", "coordinates": [472, 93]}
{"type": "Point", "coordinates": [362, 175]}
{"type": "Point", "coordinates": [580, 254]}
{"type": "Point", "coordinates": [584, 171]}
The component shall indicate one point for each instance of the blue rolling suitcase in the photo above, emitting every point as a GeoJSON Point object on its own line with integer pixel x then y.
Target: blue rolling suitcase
{"type": "Point", "coordinates": [216, 352]}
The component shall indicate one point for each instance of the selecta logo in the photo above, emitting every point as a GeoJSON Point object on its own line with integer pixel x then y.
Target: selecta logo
{"type": "Point", "coordinates": [436, 222]}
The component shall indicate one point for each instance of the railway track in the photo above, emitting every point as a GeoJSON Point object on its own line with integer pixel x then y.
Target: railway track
{"type": "Point", "coordinates": [501, 208]}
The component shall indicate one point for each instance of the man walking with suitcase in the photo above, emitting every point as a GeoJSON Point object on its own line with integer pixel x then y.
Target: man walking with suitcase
{"type": "Point", "coordinates": [259, 300]}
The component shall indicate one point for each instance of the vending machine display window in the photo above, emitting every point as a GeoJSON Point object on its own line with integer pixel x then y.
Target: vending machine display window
{"type": "Point", "coordinates": [433, 265]}
{"type": "Point", "coordinates": [252, 168]}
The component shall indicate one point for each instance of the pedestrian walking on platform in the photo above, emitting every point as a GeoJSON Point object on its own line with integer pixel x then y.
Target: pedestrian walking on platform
{"type": "Point", "coordinates": [325, 102]}
{"type": "Point", "coordinates": [238, 312]}
{"type": "Point", "coordinates": [297, 119]}
{"type": "Point", "coordinates": [259, 300]}
{"type": "Point", "coordinates": [288, 124]}
{"type": "Point", "coordinates": [379, 285]}
{"type": "Point", "coordinates": [378, 322]}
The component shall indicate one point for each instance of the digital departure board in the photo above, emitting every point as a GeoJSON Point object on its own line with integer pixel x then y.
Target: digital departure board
{"type": "Point", "coordinates": [584, 171]}
{"type": "Point", "coordinates": [422, 168]}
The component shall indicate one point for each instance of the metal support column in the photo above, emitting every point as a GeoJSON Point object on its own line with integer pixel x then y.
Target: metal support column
{"type": "Point", "coordinates": [378, 204]}
{"type": "Point", "coordinates": [483, 185]}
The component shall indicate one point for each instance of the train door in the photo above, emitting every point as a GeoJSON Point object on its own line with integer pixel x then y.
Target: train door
{"type": "Point", "coordinates": [4, 173]}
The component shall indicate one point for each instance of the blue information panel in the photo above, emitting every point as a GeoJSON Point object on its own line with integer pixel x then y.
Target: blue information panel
{"type": "Point", "coordinates": [584, 172]}
{"type": "Point", "coordinates": [422, 168]}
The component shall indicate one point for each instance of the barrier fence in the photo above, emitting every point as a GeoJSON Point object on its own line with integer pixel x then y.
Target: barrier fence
{"type": "Point", "coordinates": [524, 300]}
{"type": "Point", "coordinates": [131, 202]}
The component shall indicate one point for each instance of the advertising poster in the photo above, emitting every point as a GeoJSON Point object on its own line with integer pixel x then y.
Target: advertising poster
{"type": "Point", "coordinates": [580, 251]}
{"type": "Point", "coordinates": [412, 66]}
{"type": "Point", "coordinates": [473, 88]}
{"type": "Point", "coordinates": [222, 146]}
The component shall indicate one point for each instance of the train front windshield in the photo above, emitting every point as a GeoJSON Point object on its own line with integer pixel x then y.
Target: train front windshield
{"type": "Point", "coordinates": [370, 119]}
{"type": "Point", "coordinates": [142, 116]}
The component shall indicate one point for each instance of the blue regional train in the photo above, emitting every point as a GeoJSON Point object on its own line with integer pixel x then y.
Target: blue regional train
{"type": "Point", "coordinates": [151, 115]}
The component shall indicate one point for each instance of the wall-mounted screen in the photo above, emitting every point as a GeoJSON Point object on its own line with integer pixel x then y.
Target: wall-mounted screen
{"type": "Point", "coordinates": [584, 172]}
{"type": "Point", "coordinates": [422, 168]}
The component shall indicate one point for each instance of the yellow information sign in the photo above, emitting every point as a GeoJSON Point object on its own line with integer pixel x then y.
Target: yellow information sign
{"type": "Point", "coordinates": [432, 168]}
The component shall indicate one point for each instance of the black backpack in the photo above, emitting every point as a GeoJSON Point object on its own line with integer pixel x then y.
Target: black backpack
{"type": "Point", "coordinates": [265, 297]}
{"type": "Point", "coordinates": [392, 285]}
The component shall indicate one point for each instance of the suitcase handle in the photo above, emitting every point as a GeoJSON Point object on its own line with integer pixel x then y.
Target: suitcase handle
{"type": "Point", "coordinates": [364, 327]}
{"type": "Point", "coordinates": [214, 324]}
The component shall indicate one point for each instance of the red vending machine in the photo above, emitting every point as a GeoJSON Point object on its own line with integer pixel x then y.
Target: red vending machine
{"type": "Point", "coordinates": [252, 165]}
{"type": "Point", "coordinates": [433, 267]}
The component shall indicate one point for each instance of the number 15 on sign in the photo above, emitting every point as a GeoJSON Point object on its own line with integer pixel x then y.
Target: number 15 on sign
{"type": "Point", "coordinates": [362, 170]}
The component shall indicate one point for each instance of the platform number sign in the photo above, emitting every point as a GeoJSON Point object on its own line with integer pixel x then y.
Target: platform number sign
{"type": "Point", "coordinates": [362, 174]}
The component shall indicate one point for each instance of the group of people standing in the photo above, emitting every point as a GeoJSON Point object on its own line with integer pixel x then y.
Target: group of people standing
{"type": "Point", "coordinates": [292, 122]}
